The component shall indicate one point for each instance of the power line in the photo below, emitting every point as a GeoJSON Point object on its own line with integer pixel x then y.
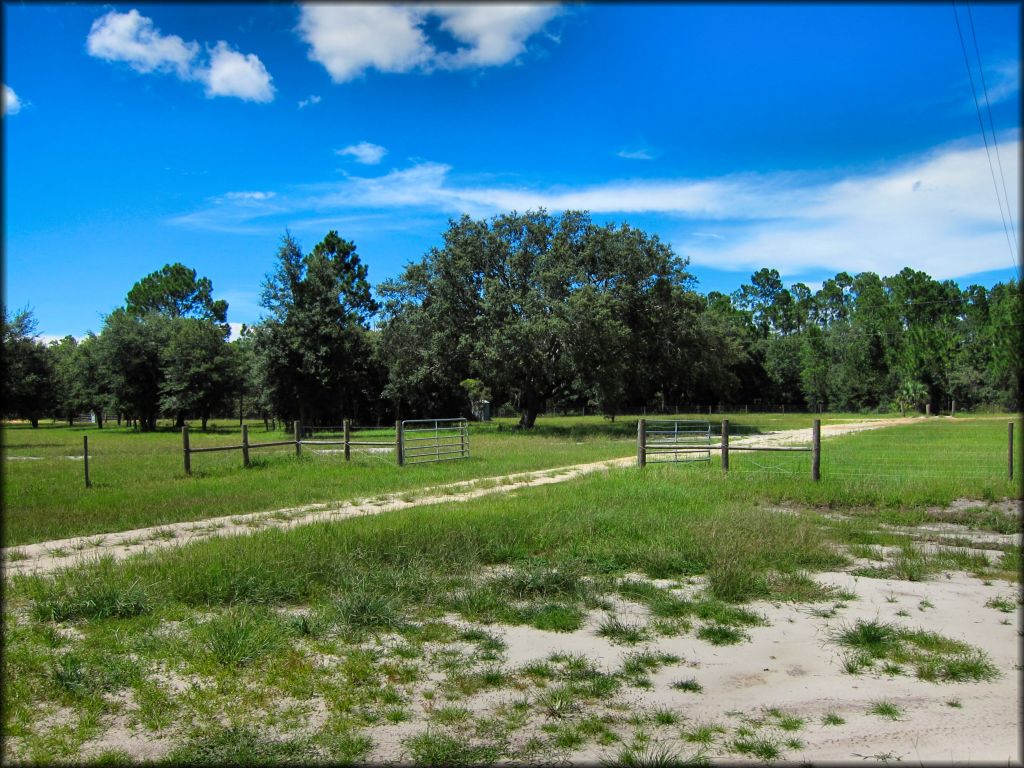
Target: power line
{"type": "Point", "coordinates": [984, 136]}
{"type": "Point", "coordinates": [992, 125]}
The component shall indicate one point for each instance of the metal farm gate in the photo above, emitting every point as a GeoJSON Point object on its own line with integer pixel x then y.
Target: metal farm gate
{"type": "Point", "coordinates": [427, 440]}
{"type": "Point", "coordinates": [675, 440]}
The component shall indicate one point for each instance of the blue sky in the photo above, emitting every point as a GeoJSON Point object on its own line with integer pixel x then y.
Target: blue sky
{"type": "Point", "coordinates": [808, 138]}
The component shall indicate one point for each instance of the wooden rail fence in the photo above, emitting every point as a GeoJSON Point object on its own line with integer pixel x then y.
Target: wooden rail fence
{"type": "Point", "coordinates": [297, 440]}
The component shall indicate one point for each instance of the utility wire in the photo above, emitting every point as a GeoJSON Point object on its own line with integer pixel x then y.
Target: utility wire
{"type": "Point", "coordinates": [984, 136]}
{"type": "Point", "coordinates": [992, 126]}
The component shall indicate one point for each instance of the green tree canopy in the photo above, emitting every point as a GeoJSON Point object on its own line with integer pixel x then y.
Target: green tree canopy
{"type": "Point", "coordinates": [316, 356]}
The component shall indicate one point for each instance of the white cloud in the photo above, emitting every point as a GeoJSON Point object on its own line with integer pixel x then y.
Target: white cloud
{"type": "Point", "coordinates": [364, 152]}
{"type": "Point", "coordinates": [639, 154]}
{"type": "Point", "coordinates": [132, 38]}
{"type": "Point", "coordinates": [236, 331]}
{"type": "Point", "coordinates": [495, 33]}
{"type": "Point", "coordinates": [350, 39]}
{"type": "Point", "coordinates": [309, 102]}
{"type": "Point", "coordinates": [249, 195]}
{"type": "Point", "coordinates": [12, 104]}
{"type": "Point", "coordinates": [1002, 81]}
{"type": "Point", "coordinates": [936, 212]}
{"type": "Point", "coordinates": [235, 74]}
{"type": "Point", "coordinates": [49, 338]}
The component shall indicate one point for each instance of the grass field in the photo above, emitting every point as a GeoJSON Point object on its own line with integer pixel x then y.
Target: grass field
{"type": "Point", "coordinates": [381, 636]}
{"type": "Point", "coordinates": [138, 479]}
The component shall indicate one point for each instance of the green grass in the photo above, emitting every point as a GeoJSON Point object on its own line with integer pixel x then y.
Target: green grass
{"type": "Point", "coordinates": [368, 601]}
{"type": "Point", "coordinates": [931, 656]}
{"type": "Point", "coordinates": [622, 632]}
{"type": "Point", "coordinates": [690, 686]}
{"type": "Point", "coordinates": [138, 479]}
{"type": "Point", "coordinates": [886, 710]}
{"type": "Point", "coordinates": [718, 634]}
{"type": "Point", "coordinates": [242, 635]}
{"type": "Point", "coordinates": [703, 733]}
{"type": "Point", "coordinates": [1003, 604]}
{"type": "Point", "coordinates": [654, 756]}
{"type": "Point", "coordinates": [762, 747]}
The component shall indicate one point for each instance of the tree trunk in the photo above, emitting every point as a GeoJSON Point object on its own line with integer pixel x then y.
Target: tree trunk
{"type": "Point", "coordinates": [530, 409]}
{"type": "Point", "coordinates": [34, 420]}
{"type": "Point", "coordinates": [99, 419]}
{"type": "Point", "coordinates": [180, 421]}
{"type": "Point", "coordinates": [206, 418]}
{"type": "Point", "coordinates": [71, 420]}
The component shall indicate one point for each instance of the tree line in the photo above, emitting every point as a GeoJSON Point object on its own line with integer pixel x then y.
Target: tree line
{"type": "Point", "coordinates": [532, 311]}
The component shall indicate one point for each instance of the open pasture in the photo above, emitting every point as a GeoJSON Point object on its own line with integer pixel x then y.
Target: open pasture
{"type": "Point", "coordinates": [139, 481]}
{"type": "Point", "coordinates": [672, 613]}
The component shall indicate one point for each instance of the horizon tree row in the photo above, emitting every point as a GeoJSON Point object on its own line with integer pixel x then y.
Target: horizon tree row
{"type": "Point", "coordinates": [533, 311]}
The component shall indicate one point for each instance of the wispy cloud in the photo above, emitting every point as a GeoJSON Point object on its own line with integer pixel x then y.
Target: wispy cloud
{"type": "Point", "coordinates": [1002, 81]}
{"type": "Point", "coordinates": [935, 212]}
{"type": "Point", "coordinates": [250, 195]}
{"type": "Point", "coordinates": [636, 154]}
{"type": "Point", "coordinates": [349, 39]}
{"type": "Point", "coordinates": [133, 39]}
{"type": "Point", "coordinates": [364, 152]}
{"type": "Point", "coordinates": [312, 100]}
{"type": "Point", "coordinates": [12, 104]}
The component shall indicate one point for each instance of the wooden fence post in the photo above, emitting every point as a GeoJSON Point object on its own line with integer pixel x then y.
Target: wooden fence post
{"type": "Point", "coordinates": [398, 443]}
{"type": "Point", "coordinates": [245, 445]}
{"type": "Point", "coordinates": [1009, 452]}
{"type": "Point", "coordinates": [184, 448]}
{"type": "Point", "coordinates": [641, 442]}
{"type": "Point", "coordinates": [816, 451]}
{"type": "Point", "coordinates": [348, 435]}
{"type": "Point", "coordinates": [298, 438]}
{"type": "Point", "coordinates": [85, 454]}
{"type": "Point", "coordinates": [725, 445]}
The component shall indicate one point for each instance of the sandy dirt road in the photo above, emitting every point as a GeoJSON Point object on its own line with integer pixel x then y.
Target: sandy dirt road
{"type": "Point", "coordinates": [49, 556]}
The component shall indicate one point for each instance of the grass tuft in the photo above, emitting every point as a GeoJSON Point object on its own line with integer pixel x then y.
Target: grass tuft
{"type": "Point", "coordinates": [621, 633]}
{"type": "Point", "coordinates": [242, 635]}
{"type": "Point", "coordinates": [718, 634]}
{"type": "Point", "coordinates": [885, 709]}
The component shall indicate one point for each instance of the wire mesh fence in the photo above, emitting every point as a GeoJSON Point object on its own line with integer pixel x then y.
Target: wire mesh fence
{"type": "Point", "coordinates": [677, 440]}
{"type": "Point", "coordinates": [986, 453]}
